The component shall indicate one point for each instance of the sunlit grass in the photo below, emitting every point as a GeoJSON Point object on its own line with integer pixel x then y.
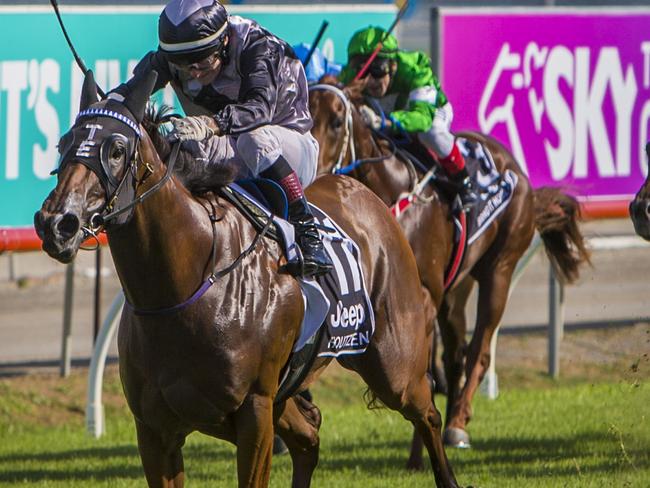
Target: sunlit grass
{"type": "Point", "coordinates": [556, 435]}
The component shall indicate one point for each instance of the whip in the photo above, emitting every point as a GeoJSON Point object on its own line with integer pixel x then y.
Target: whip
{"type": "Point", "coordinates": [314, 44]}
{"type": "Point", "coordinates": [380, 44]}
{"type": "Point", "coordinates": [78, 59]}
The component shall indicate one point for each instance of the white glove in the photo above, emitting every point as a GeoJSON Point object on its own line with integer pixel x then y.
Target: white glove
{"type": "Point", "coordinates": [370, 117]}
{"type": "Point", "coordinates": [193, 128]}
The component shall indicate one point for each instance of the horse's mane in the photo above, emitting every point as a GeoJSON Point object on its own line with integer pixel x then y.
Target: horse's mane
{"type": "Point", "coordinates": [198, 177]}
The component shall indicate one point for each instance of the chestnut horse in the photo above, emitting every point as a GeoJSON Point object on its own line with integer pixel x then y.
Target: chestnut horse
{"type": "Point", "coordinates": [212, 363]}
{"type": "Point", "coordinates": [490, 260]}
{"type": "Point", "coordinates": [640, 206]}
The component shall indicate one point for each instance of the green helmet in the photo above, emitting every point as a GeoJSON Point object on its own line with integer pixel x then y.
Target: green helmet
{"type": "Point", "coordinates": [364, 42]}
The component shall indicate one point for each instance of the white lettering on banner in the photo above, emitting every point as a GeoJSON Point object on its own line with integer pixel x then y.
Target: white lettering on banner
{"type": "Point", "coordinates": [43, 77]}
{"type": "Point", "coordinates": [560, 67]}
{"type": "Point", "coordinates": [13, 80]}
{"type": "Point", "coordinates": [643, 136]}
{"type": "Point", "coordinates": [107, 73]}
{"type": "Point", "coordinates": [645, 50]}
{"type": "Point", "coordinates": [579, 124]}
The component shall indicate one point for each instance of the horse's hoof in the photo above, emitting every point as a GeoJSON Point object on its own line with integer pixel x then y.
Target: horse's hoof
{"type": "Point", "coordinates": [415, 465]}
{"type": "Point", "coordinates": [455, 437]}
{"type": "Point", "coordinates": [279, 447]}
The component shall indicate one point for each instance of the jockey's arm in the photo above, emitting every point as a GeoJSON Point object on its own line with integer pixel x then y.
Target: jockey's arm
{"type": "Point", "coordinates": [153, 60]}
{"type": "Point", "coordinates": [258, 91]}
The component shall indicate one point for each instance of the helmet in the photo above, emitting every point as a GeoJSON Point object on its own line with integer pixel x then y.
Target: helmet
{"type": "Point", "coordinates": [364, 42]}
{"type": "Point", "coordinates": [190, 30]}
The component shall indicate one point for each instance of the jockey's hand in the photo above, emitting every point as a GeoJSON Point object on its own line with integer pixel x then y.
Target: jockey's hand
{"type": "Point", "coordinates": [370, 117]}
{"type": "Point", "coordinates": [193, 128]}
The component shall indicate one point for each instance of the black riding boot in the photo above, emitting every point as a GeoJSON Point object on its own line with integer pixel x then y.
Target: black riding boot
{"type": "Point", "coordinates": [465, 188]}
{"type": "Point", "coordinates": [315, 260]}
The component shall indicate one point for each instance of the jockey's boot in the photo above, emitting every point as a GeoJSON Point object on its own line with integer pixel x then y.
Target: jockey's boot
{"type": "Point", "coordinates": [315, 260]}
{"type": "Point", "coordinates": [465, 188]}
{"type": "Point", "coordinates": [454, 166]}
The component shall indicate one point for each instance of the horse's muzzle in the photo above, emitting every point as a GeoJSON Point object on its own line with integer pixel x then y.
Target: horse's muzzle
{"type": "Point", "coordinates": [60, 234]}
{"type": "Point", "coordinates": [640, 215]}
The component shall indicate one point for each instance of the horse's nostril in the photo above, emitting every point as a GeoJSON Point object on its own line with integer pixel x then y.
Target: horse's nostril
{"type": "Point", "coordinates": [68, 226]}
{"type": "Point", "coordinates": [39, 223]}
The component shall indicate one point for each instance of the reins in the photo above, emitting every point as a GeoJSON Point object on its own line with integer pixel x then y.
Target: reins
{"type": "Point", "coordinates": [212, 278]}
{"type": "Point", "coordinates": [348, 144]}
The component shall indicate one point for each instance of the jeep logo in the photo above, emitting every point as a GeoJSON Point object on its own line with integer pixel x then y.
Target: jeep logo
{"type": "Point", "coordinates": [352, 316]}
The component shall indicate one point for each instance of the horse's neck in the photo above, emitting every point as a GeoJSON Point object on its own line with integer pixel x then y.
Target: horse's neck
{"type": "Point", "coordinates": [163, 253]}
{"type": "Point", "coordinates": [388, 178]}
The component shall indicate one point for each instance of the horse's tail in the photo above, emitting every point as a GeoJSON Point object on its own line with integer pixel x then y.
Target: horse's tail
{"type": "Point", "coordinates": [556, 219]}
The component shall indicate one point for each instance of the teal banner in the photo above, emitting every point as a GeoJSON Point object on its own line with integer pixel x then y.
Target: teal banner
{"type": "Point", "coordinates": [40, 82]}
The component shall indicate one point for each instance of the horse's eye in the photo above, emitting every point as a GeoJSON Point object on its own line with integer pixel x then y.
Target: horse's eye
{"type": "Point", "coordinates": [337, 123]}
{"type": "Point", "coordinates": [117, 151]}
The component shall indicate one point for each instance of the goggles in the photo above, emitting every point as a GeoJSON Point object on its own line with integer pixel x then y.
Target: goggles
{"type": "Point", "coordinates": [203, 66]}
{"type": "Point", "coordinates": [379, 68]}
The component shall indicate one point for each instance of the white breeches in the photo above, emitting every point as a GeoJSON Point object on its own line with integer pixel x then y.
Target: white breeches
{"type": "Point", "coordinates": [253, 152]}
{"type": "Point", "coordinates": [439, 138]}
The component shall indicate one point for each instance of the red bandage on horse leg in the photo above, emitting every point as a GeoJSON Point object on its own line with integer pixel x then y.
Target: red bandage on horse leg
{"type": "Point", "coordinates": [454, 162]}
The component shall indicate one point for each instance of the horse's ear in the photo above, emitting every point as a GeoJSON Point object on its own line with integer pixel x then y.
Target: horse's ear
{"type": "Point", "coordinates": [88, 91]}
{"type": "Point", "coordinates": [136, 100]}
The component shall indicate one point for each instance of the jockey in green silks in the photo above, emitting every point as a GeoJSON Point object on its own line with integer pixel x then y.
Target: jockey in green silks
{"type": "Point", "coordinates": [421, 107]}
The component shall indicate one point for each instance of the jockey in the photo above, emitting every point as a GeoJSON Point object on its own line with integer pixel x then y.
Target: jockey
{"type": "Point", "coordinates": [245, 96]}
{"type": "Point", "coordinates": [421, 107]}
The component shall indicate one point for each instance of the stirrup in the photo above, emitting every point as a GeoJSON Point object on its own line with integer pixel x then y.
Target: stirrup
{"type": "Point", "coordinates": [300, 268]}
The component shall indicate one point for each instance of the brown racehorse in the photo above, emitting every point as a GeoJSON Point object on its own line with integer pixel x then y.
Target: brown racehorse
{"type": "Point", "coordinates": [640, 206]}
{"type": "Point", "coordinates": [490, 260]}
{"type": "Point", "coordinates": [213, 364]}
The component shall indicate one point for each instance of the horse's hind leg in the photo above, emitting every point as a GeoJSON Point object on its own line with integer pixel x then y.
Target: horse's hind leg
{"type": "Point", "coordinates": [298, 427]}
{"type": "Point", "coordinates": [396, 371]}
{"type": "Point", "coordinates": [494, 285]}
{"type": "Point", "coordinates": [161, 456]}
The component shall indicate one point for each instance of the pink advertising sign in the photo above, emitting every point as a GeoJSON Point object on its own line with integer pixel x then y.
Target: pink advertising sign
{"type": "Point", "coordinates": [567, 91]}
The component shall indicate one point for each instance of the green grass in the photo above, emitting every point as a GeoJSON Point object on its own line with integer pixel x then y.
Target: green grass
{"type": "Point", "coordinates": [555, 435]}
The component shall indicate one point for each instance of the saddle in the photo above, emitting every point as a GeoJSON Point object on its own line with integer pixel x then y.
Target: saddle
{"type": "Point", "coordinates": [495, 190]}
{"type": "Point", "coordinates": [338, 314]}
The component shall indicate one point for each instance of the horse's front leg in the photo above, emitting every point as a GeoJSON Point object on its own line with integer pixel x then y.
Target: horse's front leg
{"type": "Point", "coordinates": [161, 456]}
{"type": "Point", "coordinates": [254, 425]}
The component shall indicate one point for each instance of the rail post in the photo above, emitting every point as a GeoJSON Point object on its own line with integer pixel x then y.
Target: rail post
{"type": "Point", "coordinates": [95, 424]}
{"type": "Point", "coordinates": [555, 322]}
{"type": "Point", "coordinates": [64, 369]}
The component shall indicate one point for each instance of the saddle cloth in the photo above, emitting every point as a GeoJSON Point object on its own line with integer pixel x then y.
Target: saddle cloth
{"type": "Point", "coordinates": [494, 189]}
{"type": "Point", "coordinates": [338, 299]}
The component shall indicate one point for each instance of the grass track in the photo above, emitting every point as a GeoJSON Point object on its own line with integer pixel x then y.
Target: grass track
{"type": "Point", "coordinates": [555, 435]}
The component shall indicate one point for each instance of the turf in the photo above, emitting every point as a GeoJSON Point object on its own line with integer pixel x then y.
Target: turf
{"type": "Point", "coordinates": [555, 434]}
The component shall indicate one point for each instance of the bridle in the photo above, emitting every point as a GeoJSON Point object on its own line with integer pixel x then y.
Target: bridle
{"type": "Point", "coordinates": [348, 135]}
{"type": "Point", "coordinates": [348, 140]}
{"type": "Point", "coordinates": [112, 187]}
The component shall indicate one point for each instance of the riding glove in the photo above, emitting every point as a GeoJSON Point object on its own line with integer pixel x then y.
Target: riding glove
{"type": "Point", "coordinates": [370, 117]}
{"type": "Point", "coordinates": [193, 128]}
